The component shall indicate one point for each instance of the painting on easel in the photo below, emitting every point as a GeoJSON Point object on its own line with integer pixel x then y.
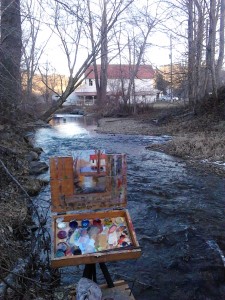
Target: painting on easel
{"type": "Point", "coordinates": [89, 171]}
{"type": "Point", "coordinates": [88, 179]}
{"type": "Point", "coordinates": [88, 195]}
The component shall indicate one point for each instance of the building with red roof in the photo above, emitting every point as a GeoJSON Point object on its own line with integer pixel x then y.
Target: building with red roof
{"type": "Point", "coordinates": [118, 78]}
{"type": "Point", "coordinates": [123, 71]}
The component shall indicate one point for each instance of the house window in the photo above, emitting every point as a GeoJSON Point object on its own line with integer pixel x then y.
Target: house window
{"type": "Point", "coordinates": [90, 82]}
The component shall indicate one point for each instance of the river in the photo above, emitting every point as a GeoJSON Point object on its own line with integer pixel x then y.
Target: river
{"type": "Point", "coordinates": [177, 212]}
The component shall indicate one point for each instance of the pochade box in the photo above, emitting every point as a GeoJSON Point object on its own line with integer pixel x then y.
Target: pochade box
{"type": "Point", "coordinates": [89, 221]}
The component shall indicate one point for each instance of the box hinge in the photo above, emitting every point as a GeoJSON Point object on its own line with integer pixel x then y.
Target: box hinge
{"type": "Point", "coordinates": [118, 208]}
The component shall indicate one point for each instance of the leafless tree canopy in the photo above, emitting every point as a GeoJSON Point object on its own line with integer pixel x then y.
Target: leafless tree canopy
{"type": "Point", "coordinates": [105, 31]}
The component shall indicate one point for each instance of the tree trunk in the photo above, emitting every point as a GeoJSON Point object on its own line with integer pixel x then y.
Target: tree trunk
{"type": "Point", "coordinates": [199, 48]}
{"type": "Point", "coordinates": [10, 56]}
{"type": "Point", "coordinates": [212, 43]}
{"type": "Point", "coordinates": [101, 78]}
{"type": "Point", "coordinates": [104, 57]}
{"type": "Point", "coordinates": [221, 43]}
{"type": "Point", "coordinates": [191, 55]}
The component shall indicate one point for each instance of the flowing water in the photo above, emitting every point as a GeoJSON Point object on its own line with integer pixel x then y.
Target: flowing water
{"type": "Point", "coordinates": [178, 214]}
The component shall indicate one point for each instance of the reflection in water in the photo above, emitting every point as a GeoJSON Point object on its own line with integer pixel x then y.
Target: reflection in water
{"type": "Point", "coordinates": [69, 125]}
{"type": "Point", "coordinates": [84, 121]}
{"type": "Point", "coordinates": [69, 129]}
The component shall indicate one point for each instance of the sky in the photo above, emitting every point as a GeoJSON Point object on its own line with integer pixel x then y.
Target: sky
{"type": "Point", "coordinates": [158, 54]}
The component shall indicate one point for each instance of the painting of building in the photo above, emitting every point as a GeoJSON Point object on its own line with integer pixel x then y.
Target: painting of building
{"type": "Point", "coordinates": [90, 171]}
{"type": "Point", "coordinates": [98, 162]}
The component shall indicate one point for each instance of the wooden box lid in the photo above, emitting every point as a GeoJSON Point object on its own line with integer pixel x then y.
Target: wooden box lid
{"type": "Point", "coordinates": [90, 179]}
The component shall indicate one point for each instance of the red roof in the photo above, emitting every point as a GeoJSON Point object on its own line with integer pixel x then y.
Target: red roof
{"type": "Point", "coordinates": [123, 71]}
{"type": "Point", "coordinates": [94, 156]}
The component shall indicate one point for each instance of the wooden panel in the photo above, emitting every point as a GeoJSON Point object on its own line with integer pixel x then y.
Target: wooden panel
{"type": "Point", "coordinates": [61, 167]}
{"type": "Point", "coordinates": [92, 201]}
{"type": "Point", "coordinates": [94, 258]}
{"type": "Point", "coordinates": [116, 165]}
{"type": "Point", "coordinates": [61, 178]}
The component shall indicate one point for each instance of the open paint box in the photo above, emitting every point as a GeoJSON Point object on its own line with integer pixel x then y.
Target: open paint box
{"type": "Point", "coordinates": [89, 221]}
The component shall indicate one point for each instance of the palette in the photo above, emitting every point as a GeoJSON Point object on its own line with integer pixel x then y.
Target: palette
{"type": "Point", "coordinates": [79, 234]}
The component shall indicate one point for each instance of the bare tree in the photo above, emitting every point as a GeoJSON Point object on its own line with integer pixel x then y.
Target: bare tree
{"type": "Point", "coordinates": [191, 52]}
{"type": "Point", "coordinates": [89, 27]}
{"type": "Point", "coordinates": [63, 15]}
{"type": "Point", "coordinates": [140, 25]}
{"type": "Point", "coordinates": [69, 25]}
{"type": "Point", "coordinates": [205, 51]}
{"type": "Point", "coordinates": [210, 47]}
{"type": "Point", "coordinates": [32, 50]}
{"type": "Point", "coordinates": [110, 12]}
{"type": "Point", "coordinates": [221, 44]}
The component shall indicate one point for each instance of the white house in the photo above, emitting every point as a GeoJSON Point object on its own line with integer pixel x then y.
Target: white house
{"type": "Point", "coordinates": [94, 161]}
{"type": "Point", "coordinates": [118, 76]}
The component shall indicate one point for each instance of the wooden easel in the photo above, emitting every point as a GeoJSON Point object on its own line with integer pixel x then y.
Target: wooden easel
{"type": "Point", "coordinates": [90, 273]}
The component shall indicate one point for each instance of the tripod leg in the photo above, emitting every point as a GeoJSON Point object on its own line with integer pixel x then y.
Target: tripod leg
{"type": "Point", "coordinates": [87, 273]}
{"type": "Point", "coordinates": [106, 275]}
{"type": "Point", "coordinates": [94, 273]}
{"type": "Point", "coordinates": [90, 272]}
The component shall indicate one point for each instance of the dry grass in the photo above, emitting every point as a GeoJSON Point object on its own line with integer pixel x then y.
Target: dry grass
{"type": "Point", "coordinates": [11, 224]}
{"type": "Point", "coordinates": [13, 204]}
{"type": "Point", "coordinates": [197, 137]}
{"type": "Point", "coordinates": [13, 211]}
{"type": "Point", "coordinates": [200, 145]}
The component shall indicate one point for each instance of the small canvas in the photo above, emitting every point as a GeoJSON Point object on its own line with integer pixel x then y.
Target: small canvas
{"type": "Point", "coordinates": [88, 179]}
{"type": "Point", "coordinates": [89, 168]}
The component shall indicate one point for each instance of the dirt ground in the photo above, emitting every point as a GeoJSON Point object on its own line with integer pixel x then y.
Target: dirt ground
{"type": "Point", "coordinates": [200, 139]}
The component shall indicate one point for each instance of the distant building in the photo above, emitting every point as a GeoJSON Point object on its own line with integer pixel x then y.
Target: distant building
{"type": "Point", "coordinates": [118, 76]}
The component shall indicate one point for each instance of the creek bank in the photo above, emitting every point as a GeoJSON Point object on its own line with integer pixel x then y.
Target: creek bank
{"type": "Point", "coordinates": [19, 167]}
{"type": "Point", "coordinates": [200, 142]}
{"type": "Point", "coordinates": [127, 125]}
{"type": "Point", "coordinates": [21, 158]}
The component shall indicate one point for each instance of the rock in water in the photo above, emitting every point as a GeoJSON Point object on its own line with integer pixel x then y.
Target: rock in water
{"type": "Point", "coordinates": [88, 290]}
